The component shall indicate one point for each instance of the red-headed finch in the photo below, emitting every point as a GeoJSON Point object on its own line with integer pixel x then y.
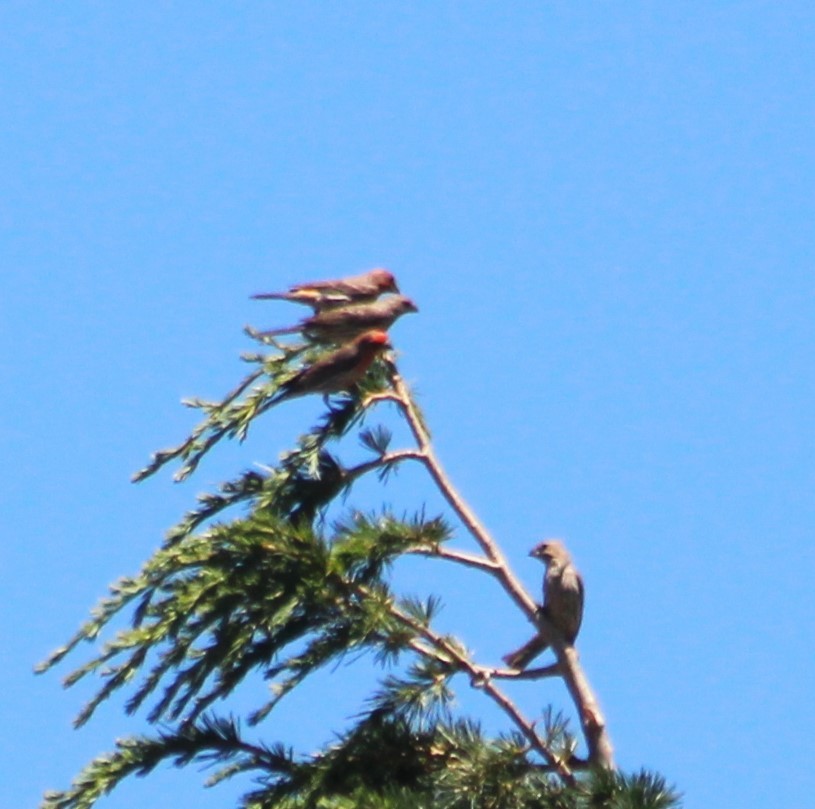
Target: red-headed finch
{"type": "Point", "coordinates": [322, 295]}
{"type": "Point", "coordinates": [338, 370]}
{"type": "Point", "coordinates": [348, 322]}
{"type": "Point", "coordinates": [562, 601]}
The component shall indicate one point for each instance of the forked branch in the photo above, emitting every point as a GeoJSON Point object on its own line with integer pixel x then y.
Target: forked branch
{"type": "Point", "coordinates": [482, 679]}
{"type": "Point", "coordinates": [568, 666]}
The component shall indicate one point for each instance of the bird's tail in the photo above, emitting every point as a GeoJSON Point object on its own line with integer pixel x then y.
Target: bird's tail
{"type": "Point", "coordinates": [277, 332]}
{"type": "Point", "coordinates": [522, 657]}
{"type": "Point", "coordinates": [319, 301]}
{"type": "Point", "coordinates": [271, 296]}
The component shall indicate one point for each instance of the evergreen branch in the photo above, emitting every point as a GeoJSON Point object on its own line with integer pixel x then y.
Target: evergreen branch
{"type": "Point", "coordinates": [191, 444]}
{"type": "Point", "coordinates": [123, 592]}
{"type": "Point", "coordinates": [225, 585]}
{"type": "Point", "coordinates": [248, 485]}
{"type": "Point", "coordinates": [372, 541]}
{"type": "Point", "coordinates": [480, 678]}
{"type": "Point", "coordinates": [366, 767]}
{"type": "Point", "coordinates": [232, 416]}
{"type": "Point", "coordinates": [306, 480]}
{"type": "Point", "coordinates": [446, 652]}
{"type": "Point", "coordinates": [212, 741]}
{"type": "Point", "coordinates": [377, 439]}
{"type": "Point", "coordinates": [381, 763]}
{"type": "Point", "coordinates": [421, 696]}
{"type": "Point", "coordinates": [217, 606]}
{"type": "Point", "coordinates": [643, 789]}
{"type": "Point", "coordinates": [164, 563]}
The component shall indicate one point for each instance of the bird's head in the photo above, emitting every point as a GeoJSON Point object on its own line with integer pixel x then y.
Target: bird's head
{"type": "Point", "coordinates": [402, 305]}
{"type": "Point", "coordinates": [549, 550]}
{"type": "Point", "coordinates": [384, 279]}
{"type": "Point", "coordinates": [375, 340]}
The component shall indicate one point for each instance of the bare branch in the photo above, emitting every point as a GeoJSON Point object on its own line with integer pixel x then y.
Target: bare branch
{"type": "Point", "coordinates": [388, 458]}
{"type": "Point", "coordinates": [382, 396]}
{"type": "Point", "coordinates": [467, 559]}
{"type": "Point", "coordinates": [458, 504]}
{"type": "Point", "coordinates": [592, 721]}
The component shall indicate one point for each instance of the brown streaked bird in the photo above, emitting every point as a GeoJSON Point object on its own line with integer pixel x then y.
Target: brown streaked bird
{"type": "Point", "coordinates": [323, 295]}
{"type": "Point", "coordinates": [562, 601]}
{"type": "Point", "coordinates": [348, 322]}
{"type": "Point", "coordinates": [338, 370]}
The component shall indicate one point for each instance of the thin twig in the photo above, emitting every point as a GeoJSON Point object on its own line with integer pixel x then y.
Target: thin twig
{"type": "Point", "coordinates": [382, 396]}
{"type": "Point", "coordinates": [466, 559]}
{"type": "Point", "coordinates": [552, 670]}
{"type": "Point", "coordinates": [383, 460]}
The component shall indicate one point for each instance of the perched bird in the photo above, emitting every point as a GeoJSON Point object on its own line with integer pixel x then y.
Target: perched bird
{"type": "Point", "coordinates": [323, 295]}
{"type": "Point", "coordinates": [348, 322]}
{"type": "Point", "coordinates": [338, 370]}
{"type": "Point", "coordinates": [562, 601]}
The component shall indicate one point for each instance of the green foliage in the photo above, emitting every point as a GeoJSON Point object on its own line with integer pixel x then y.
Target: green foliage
{"type": "Point", "coordinates": [278, 593]}
{"type": "Point", "coordinates": [232, 416]}
{"type": "Point", "coordinates": [211, 741]}
{"type": "Point", "coordinates": [381, 762]}
{"type": "Point", "coordinates": [241, 596]}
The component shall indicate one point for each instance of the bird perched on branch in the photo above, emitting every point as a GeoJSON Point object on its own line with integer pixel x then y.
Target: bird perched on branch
{"type": "Point", "coordinates": [323, 295]}
{"type": "Point", "coordinates": [348, 322]}
{"type": "Point", "coordinates": [338, 370]}
{"type": "Point", "coordinates": [562, 601]}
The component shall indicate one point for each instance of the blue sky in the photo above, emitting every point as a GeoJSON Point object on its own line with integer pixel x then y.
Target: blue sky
{"type": "Point", "coordinates": [605, 214]}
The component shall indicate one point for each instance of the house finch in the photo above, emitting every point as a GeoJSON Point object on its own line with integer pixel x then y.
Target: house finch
{"type": "Point", "coordinates": [348, 322]}
{"type": "Point", "coordinates": [322, 295]}
{"type": "Point", "coordinates": [338, 370]}
{"type": "Point", "coordinates": [562, 601]}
